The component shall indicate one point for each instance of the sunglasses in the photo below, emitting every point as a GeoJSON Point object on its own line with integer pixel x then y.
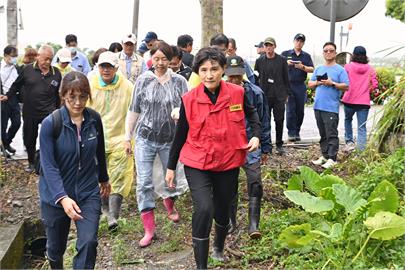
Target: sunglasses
{"type": "Point", "coordinates": [328, 51]}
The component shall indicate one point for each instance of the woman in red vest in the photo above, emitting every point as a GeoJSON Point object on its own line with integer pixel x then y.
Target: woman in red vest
{"type": "Point", "coordinates": [211, 142]}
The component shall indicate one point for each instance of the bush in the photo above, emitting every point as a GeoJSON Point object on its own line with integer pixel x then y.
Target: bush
{"type": "Point", "coordinates": [386, 80]}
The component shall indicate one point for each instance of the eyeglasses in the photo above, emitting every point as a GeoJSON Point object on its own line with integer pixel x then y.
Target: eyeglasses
{"type": "Point", "coordinates": [82, 99]}
{"type": "Point", "coordinates": [328, 51]}
{"type": "Point", "coordinates": [106, 67]}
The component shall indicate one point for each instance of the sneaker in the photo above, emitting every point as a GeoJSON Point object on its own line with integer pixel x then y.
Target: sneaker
{"type": "Point", "coordinates": [297, 138]}
{"type": "Point", "coordinates": [350, 146]}
{"type": "Point", "coordinates": [329, 164]}
{"type": "Point", "coordinates": [5, 154]}
{"type": "Point", "coordinates": [291, 138]}
{"type": "Point", "coordinates": [319, 161]}
{"type": "Point", "coordinates": [10, 149]}
{"type": "Point", "coordinates": [30, 168]}
{"type": "Point", "coordinates": [280, 150]}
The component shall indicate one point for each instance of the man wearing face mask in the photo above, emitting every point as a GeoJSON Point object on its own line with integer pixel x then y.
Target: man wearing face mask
{"type": "Point", "coordinates": [79, 60]}
{"type": "Point", "coordinates": [10, 109]}
{"type": "Point", "coordinates": [41, 83]}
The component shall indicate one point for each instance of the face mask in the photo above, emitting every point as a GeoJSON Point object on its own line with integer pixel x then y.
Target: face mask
{"type": "Point", "coordinates": [73, 49]}
{"type": "Point", "coordinates": [13, 60]}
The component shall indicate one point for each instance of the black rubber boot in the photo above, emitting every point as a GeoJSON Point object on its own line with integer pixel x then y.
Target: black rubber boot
{"type": "Point", "coordinates": [201, 247]}
{"type": "Point", "coordinates": [105, 207]}
{"type": "Point", "coordinates": [233, 209]}
{"type": "Point", "coordinates": [115, 208]}
{"type": "Point", "coordinates": [254, 217]}
{"type": "Point", "coordinates": [56, 264]}
{"type": "Point", "coordinates": [219, 242]}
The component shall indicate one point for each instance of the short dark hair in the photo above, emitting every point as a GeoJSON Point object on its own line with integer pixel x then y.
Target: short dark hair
{"type": "Point", "coordinates": [74, 81]}
{"type": "Point", "coordinates": [70, 38]}
{"type": "Point", "coordinates": [233, 42]}
{"type": "Point", "coordinates": [329, 43]}
{"type": "Point", "coordinates": [177, 52]}
{"type": "Point", "coordinates": [211, 54]}
{"type": "Point", "coordinates": [184, 40]}
{"type": "Point", "coordinates": [9, 49]}
{"type": "Point", "coordinates": [96, 55]}
{"type": "Point", "coordinates": [219, 39]}
{"type": "Point", "coordinates": [164, 48]}
{"type": "Point", "coordinates": [115, 47]}
{"type": "Point", "coordinates": [362, 59]}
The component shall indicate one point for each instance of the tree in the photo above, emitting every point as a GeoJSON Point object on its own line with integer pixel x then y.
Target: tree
{"type": "Point", "coordinates": [12, 22]}
{"type": "Point", "coordinates": [395, 9]}
{"type": "Point", "coordinates": [211, 20]}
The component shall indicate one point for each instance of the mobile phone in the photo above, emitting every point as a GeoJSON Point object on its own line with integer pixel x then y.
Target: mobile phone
{"type": "Point", "coordinates": [295, 62]}
{"type": "Point", "coordinates": [322, 77]}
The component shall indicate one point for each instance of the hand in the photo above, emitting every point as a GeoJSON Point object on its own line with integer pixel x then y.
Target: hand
{"type": "Point", "coordinates": [290, 63]}
{"type": "Point", "coordinates": [253, 144]}
{"type": "Point", "coordinates": [3, 98]}
{"type": "Point", "coordinates": [71, 208]}
{"type": "Point", "coordinates": [175, 114]}
{"type": "Point", "coordinates": [170, 178]}
{"type": "Point", "coordinates": [128, 147]}
{"type": "Point", "coordinates": [265, 158]}
{"type": "Point", "coordinates": [327, 82]}
{"type": "Point", "coordinates": [105, 189]}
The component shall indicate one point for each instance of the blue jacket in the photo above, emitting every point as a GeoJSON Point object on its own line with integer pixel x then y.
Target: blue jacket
{"type": "Point", "coordinates": [257, 99]}
{"type": "Point", "coordinates": [70, 167]}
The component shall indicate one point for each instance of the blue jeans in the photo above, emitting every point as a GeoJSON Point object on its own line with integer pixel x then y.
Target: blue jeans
{"type": "Point", "coordinates": [362, 115]}
{"type": "Point", "coordinates": [57, 225]}
{"type": "Point", "coordinates": [145, 153]}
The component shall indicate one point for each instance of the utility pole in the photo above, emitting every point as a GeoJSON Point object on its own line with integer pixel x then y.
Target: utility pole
{"type": "Point", "coordinates": [135, 18]}
{"type": "Point", "coordinates": [12, 22]}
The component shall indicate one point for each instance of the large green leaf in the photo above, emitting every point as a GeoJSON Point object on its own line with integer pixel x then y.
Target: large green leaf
{"type": "Point", "coordinates": [308, 202]}
{"type": "Point", "coordinates": [295, 183]}
{"type": "Point", "coordinates": [389, 198]}
{"type": "Point", "coordinates": [335, 233]}
{"type": "Point", "coordinates": [328, 180]}
{"type": "Point", "coordinates": [296, 236]}
{"type": "Point", "coordinates": [311, 179]}
{"type": "Point", "coordinates": [385, 226]}
{"type": "Point", "coordinates": [348, 197]}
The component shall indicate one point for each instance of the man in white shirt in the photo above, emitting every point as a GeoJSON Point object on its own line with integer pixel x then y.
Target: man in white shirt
{"type": "Point", "coordinates": [10, 109]}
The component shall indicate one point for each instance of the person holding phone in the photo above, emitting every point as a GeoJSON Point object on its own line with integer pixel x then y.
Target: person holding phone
{"type": "Point", "coordinates": [329, 80]}
{"type": "Point", "coordinates": [212, 144]}
{"type": "Point", "coordinates": [299, 65]}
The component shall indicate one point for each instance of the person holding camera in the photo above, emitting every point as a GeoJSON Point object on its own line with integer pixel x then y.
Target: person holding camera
{"type": "Point", "coordinates": [329, 80]}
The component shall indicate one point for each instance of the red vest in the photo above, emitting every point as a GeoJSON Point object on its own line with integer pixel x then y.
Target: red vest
{"type": "Point", "coordinates": [216, 139]}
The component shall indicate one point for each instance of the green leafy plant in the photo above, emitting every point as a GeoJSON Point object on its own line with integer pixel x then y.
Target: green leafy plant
{"type": "Point", "coordinates": [386, 82]}
{"type": "Point", "coordinates": [347, 216]}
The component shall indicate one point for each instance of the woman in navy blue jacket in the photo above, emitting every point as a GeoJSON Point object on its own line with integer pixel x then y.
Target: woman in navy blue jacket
{"type": "Point", "coordinates": [73, 174]}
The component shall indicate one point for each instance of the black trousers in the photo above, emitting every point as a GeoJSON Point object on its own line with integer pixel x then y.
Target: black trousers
{"type": "Point", "coordinates": [10, 111]}
{"type": "Point", "coordinates": [254, 179]}
{"type": "Point", "coordinates": [278, 108]}
{"type": "Point", "coordinates": [327, 123]}
{"type": "Point", "coordinates": [211, 193]}
{"type": "Point", "coordinates": [30, 135]}
{"type": "Point", "coordinates": [296, 108]}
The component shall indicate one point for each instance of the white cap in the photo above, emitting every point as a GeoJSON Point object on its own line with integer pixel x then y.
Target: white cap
{"type": "Point", "coordinates": [64, 55]}
{"type": "Point", "coordinates": [129, 38]}
{"type": "Point", "coordinates": [109, 58]}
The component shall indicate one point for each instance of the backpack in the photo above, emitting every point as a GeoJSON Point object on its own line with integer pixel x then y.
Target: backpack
{"type": "Point", "coordinates": [57, 128]}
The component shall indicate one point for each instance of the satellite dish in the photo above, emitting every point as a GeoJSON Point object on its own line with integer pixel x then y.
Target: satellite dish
{"type": "Point", "coordinates": [345, 9]}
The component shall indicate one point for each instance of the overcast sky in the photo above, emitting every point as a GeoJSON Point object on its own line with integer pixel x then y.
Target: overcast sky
{"type": "Point", "coordinates": [97, 23]}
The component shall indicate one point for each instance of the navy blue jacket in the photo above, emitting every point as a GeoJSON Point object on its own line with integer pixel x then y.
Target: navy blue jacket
{"type": "Point", "coordinates": [70, 167]}
{"type": "Point", "coordinates": [258, 100]}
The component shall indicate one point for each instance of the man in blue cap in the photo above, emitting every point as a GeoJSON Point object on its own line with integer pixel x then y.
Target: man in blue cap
{"type": "Point", "coordinates": [150, 39]}
{"type": "Point", "coordinates": [299, 65]}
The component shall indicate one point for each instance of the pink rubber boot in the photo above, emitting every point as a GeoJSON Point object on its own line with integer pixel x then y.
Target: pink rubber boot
{"type": "Point", "coordinates": [148, 220]}
{"type": "Point", "coordinates": [171, 210]}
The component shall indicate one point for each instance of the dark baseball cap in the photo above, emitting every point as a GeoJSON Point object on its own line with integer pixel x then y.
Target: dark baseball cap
{"type": "Point", "coordinates": [359, 50]}
{"type": "Point", "coordinates": [299, 36]}
{"type": "Point", "coordinates": [234, 66]}
{"type": "Point", "coordinates": [260, 45]}
{"type": "Point", "coordinates": [150, 36]}
{"type": "Point", "coordinates": [269, 40]}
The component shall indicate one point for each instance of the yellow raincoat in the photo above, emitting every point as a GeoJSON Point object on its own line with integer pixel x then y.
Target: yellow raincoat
{"type": "Point", "coordinates": [112, 102]}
